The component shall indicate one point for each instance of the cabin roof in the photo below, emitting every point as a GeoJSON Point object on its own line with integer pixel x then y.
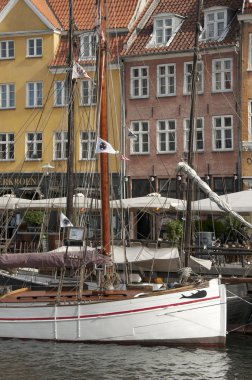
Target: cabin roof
{"type": "Point", "coordinates": [140, 35]}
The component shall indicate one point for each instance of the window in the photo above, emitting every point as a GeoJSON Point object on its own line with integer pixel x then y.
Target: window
{"type": "Point", "coordinates": [88, 93]}
{"type": "Point", "coordinates": [60, 145]}
{"type": "Point", "coordinates": [88, 44]}
{"type": "Point", "coordinates": [166, 136]}
{"type": "Point", "coordinates": [88, 143]}
{"type": "Point", "coordinates": [198, 137]}
{"type": "Point", "coordinates": [34, 47]}
{"type": "Point", "coordinates": [250, 120]}
{"type": "Point", "coordinates": [169, 187]}
{"type": "Point", "coordinates": [60, 93]}
{"type": "Point", "coordinates": [222, 133]}
{"type": "Point", "coordinates": [215, 23]}
{"type": "Point", "coordinates": [34, 146]}
{"type": "Point", "coordinates": [141, 143]}
{"type": "Point", "coordinates": [166, 80]}
{"type": "Point", "coordinates": [222, 75]}
{"type": "Point", "coordinates": [164, 28]}
{"type": "Point", "coordinates": [6, 146]}
{"type": "Point", "coordinates": [34, 94]}
{"type": "Point", "coordinates": [139, 82]}
{"type": "Point", "coordinates": [188, 69]}
{"type": "Point", "coordinates": [224, 185]}
{"type": "Point", "coordinates": [7, 96]}
{"type": "Point", "coordinates": [7, 49]}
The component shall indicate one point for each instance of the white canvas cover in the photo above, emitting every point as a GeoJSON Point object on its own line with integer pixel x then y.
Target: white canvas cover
{"type": "Point", "coordinates": [240, 201]}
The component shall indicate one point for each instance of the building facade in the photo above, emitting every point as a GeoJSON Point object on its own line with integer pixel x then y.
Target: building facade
{"type": "Point", "coordinates": [158, 60]}
{"type": "Point", "coordinates": [245, 19]}
{"type": "Point", "coordinates": [34, 96]}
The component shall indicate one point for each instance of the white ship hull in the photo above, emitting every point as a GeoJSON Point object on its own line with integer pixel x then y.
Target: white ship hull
{"type": "Point", "coordinates": [166, 318]}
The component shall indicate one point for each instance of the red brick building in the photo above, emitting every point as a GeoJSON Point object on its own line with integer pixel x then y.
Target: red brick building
{"type": "Point", "coordinates": [157, 60]}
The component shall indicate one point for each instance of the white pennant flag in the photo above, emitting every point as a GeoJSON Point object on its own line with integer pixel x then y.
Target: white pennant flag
{"type": "Point", "coordinates": [79, 72]}
{"type": "Point", "coordinates": [64, 221]}
{"type": "Point", "coordinates": [103, 146]}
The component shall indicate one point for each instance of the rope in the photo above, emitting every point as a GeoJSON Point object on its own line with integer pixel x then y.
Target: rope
{"type": "Point", "coordinates": [242, 299]}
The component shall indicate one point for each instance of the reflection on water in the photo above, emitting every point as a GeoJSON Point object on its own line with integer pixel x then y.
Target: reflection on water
{"type": "Point", "coordinates": [31, 360]}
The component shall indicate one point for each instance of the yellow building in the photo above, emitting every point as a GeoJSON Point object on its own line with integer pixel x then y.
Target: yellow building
{"type": "Point", "coordinates": [34, 92]}
{"type": "Point", "coordinates": [245, 19]}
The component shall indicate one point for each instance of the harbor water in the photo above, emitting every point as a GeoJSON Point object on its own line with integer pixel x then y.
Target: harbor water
{"type": "Point", "coordinates": [32, 360]}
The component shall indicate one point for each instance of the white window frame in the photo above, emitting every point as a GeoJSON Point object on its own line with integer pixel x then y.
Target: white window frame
{"type": "Point", "coordinates": [88, 46]}
{"type": "Point", "coordinates": [8, 49]}
{"type": "Point", "coordinates": [223, 129]}
{"type": "Point", "coordinates": [36, 88]}
{"type": "Point", "coordinates": [37, 50]}
{"type": "Point", "coordinates": [87, 145]}
{"type": "Point", "coordinates": [166, 80]}
{"type": "Point", "coordinates": [88, 93]}
{"type": "Point", "coordinates": [188, 77]}
{"type": "Point", "coordinates": [60, 141]}
{"type": "Point", "coordinates": [139, 144]}
{"type": "Point", "coordinates": [165, 26]}
{"type": "Point", "coordinates": [139, 82]}
{"type": "Point", "coordinates": [198, 135]}
{"type": "Point", "coordinates": [163, 29]}
{"type": "Point", "coordinates": [7, 90]}
{"type": "Point", "coordinates": [34, 146]}
{"type": "Point", "coordinates": [212, 26]}
{"type": "Point", "coordinates": [167, 136]}
{"type": "Point", "coordinates": [61, 93]}
{"type": "Point", "coordinates": [9, 145]}
{"type": "Point", "coordinates": [219, 75]}
{"type": "Point", "coordinates": [250, 120]}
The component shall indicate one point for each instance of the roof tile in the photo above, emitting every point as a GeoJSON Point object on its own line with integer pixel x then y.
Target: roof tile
{"type": "Point", "coordinates": [119, 13]}
{"type": "Point", "coordinates": [184, 39]}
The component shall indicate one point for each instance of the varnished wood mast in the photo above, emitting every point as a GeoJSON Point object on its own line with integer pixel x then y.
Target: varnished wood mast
{"type": "Point", "coordinates": [104, 160]}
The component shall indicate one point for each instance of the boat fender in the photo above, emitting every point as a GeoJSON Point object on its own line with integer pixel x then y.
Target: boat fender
{"type": "Point", "coordinates": [139, 295]}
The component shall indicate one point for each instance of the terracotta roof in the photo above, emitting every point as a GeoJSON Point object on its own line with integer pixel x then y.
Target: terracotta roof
{"type": "Point", "coordinates": [115, 46]}
{"type": "Point", "coordinates": [46, 11]}
{"type": "Point", "coordinates": [119, 13]}
{"type": "Point", "coordinates": [3, 3]}
{"type": "Point", "coordinates": [247, 6]}
{"type": "Point", "coordinates": [184, 39]}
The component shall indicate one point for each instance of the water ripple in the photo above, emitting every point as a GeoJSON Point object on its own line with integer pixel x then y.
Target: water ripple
{"type": "Point", "coordinates": [31, 360]}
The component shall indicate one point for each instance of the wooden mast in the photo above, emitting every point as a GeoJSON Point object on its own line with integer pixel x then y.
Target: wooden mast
{"type": "Point", "coordinates": [70, 83]}
{"type": "Point", "coordinates": [188, 220]}
{"type": "Point", "coordinates": [104, 159]}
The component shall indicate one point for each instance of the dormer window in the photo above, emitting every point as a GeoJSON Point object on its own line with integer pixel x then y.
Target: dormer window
{"type": "Point", "coordinates": [88, 44]}
{"type": "Point", "coordinates": [164, 28]}
{"type": "Point", "coordinates": [216, 21]}
{"type": "Point", "coordinates": [215, 24]}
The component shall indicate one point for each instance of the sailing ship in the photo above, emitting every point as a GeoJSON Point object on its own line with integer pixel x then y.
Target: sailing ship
{"type": "Point", "coordinates": [193, 313]}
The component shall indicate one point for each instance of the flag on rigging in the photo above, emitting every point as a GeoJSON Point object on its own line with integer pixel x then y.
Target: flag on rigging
{"type": "Point", "coordinates": [131, 135]}
{"type": "Point", "coordinates": [64, 221]}
{"type": "Point", "coordinates": [79, 72]}
{"type": "Point", "coordinates": [125, 158]}
{"type": "Point", "coordinates": [103, 146]}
